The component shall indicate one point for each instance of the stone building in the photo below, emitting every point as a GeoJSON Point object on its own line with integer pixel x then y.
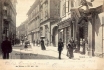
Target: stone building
{"type": "Point", "coordinates": [82, 19]}
{"type": "Point", "coordinates": [8, 19]}
{"type": "Point", "coordinates": [50, 13]}
{"type": "Point", "coordinates": [67, 29]}
{"type": "Point", "coordinates": [34, 21]}
{"type": "Point", "coordinates": [89, 25]}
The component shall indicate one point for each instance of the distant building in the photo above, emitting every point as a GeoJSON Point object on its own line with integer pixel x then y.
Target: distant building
{"type": "Point", "coordinates": [22, 30]}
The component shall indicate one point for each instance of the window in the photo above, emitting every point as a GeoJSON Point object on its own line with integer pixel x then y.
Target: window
{"type": "Point", "coordinates": [64, 9]}
{"type": "Point", "coordinates": [46, 13]}
{"type": "Point", "coordinates": [5, 12]}
{"type": "Point", "coordinates": [67, 6]}
{"type": "Point", "coordinates": [72, 3]}
{"type": "Point", "coordinates": [46, 30]}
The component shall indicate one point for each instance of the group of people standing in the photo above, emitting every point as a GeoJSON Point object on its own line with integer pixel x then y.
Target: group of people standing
{"type": "Point", "coordinates": [37, 42]}
{"type": "Point", "coordinates": [70, 47]}
{"type": "Point", "coordinates": [27, 43]}
{"type": "Point", "coordinates": [6, 47]}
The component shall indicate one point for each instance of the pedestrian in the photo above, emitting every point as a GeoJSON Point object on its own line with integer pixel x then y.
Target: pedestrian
{"type": "Point", "coordinates": [34, 42]}
{"type": "Point", "coordinates": [37, 42]}
{"type": "Point", "coordinates": [6, 48]}
{"type": "Point", "coordinates": [42, 45]}
{"type": "Point", "coordinates": [60, 47]}
{"type": "Point", "coordinates": [22, 41]}
{"type": "Point", "coordinates": [70, 50]}
{"type": "Point", "coordinates": [26, 44]}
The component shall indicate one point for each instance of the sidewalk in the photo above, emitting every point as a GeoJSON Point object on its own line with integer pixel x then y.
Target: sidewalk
{"type": "Point", "coordinates": [64, 52]}
{"type": "Point", "coordinates": [52, 51]}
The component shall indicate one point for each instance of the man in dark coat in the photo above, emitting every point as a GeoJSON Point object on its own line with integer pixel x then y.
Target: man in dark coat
{"type": "Point", "coordinates": [6, 48]}
{"type": "Point", "coordinates": [34, 42]}
{"type": "Point", "coordinates": [60, 47]}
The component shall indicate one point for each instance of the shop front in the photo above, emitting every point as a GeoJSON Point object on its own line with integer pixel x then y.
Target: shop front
{"type": "Point", "coordinates": [88, 27]}
{"type": "Point", "coordinates": [65, 31]}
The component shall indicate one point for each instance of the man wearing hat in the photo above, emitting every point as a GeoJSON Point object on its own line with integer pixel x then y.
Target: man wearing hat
{"type": "Point", "coordinates": [60, 47]}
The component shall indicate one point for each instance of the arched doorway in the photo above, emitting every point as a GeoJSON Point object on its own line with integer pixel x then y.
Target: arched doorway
{"type": "Point", "coordinates": [55, 36]}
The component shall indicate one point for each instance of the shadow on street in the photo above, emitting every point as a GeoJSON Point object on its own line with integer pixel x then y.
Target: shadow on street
{"type": "Point", "coordinates": [21, 55]}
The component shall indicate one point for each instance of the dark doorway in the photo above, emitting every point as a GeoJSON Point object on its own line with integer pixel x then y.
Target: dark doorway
{"type": "Point", "coordinates": [81, 32]}
{"type": "Point", "coordinates": [55, 36]}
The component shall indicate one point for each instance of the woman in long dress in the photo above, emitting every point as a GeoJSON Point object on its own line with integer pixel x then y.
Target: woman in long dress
{"type": "Point", "coordinates": [42, 45]}
{"type": "Point", "coordinates": [70, 49]}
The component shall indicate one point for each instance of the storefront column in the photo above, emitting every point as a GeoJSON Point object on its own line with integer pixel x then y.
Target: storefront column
{"type": "Point", "coordinates": [64, 33]}
{"type": "Point", "coordinates": [90, 38]}
{"type": "Point", "coordinates": [43, 33]}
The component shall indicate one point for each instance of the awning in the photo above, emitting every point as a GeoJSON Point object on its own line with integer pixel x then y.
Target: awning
{"type": "Point", "coordinates": [96, 3]}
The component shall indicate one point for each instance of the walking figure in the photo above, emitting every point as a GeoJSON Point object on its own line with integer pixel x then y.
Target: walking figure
{"type": "Point", "coordinates": [70, 49]}
{"type": "Point", "coordinates": [60, 47]}
{"type": "Point", "coordinates": [22, 41]}
{"type": "Point", "coordinates": [42, 45]}
{"type": "Point", "coordinates": [26, 44]}
{"type": "Point", "coordinates": [37, 42]}
{"type": "Point", "coordinates": [34, 42]}
{"type": "Point", "coordinates": [6, 48]}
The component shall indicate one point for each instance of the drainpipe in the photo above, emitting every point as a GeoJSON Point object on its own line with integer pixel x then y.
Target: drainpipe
{"type": "Point", "coordinates": [102, 41]}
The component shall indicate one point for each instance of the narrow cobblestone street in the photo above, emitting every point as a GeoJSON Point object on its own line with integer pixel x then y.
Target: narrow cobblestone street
{"type": "Point", "coordinates": [35, 52]}
{"type": "Point", "coordinates": [48, 59]}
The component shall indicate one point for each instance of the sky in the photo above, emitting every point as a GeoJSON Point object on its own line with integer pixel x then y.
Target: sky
{"type": "Point", "coordinates": [22, 9]}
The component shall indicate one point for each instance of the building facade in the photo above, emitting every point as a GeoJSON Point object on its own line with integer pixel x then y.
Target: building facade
{"type": "Point", "coordinates": [67, 28]}
{"type": "Point", "coordinates": [79, 21]}
{"type": "Point", "coordinates": [34, 21]}
{"type": "Point", "coordinates": [8, 20]}
{"type": "Point", "coordinates": [89, 26]}
{"type": "Point", "coordinates": [50, 13]}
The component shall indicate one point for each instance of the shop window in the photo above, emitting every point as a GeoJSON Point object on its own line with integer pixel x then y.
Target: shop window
{"type": "Point", "coordinates": [67, 6]}
{"type": "Point", "coordinates": [72, 3]}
